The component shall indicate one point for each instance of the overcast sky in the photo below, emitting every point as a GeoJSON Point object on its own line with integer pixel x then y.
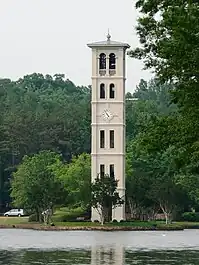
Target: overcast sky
{"type": "Point", "coordinates": [50, 36]}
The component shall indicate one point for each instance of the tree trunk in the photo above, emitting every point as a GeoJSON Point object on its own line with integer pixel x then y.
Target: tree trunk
{"type": "Point", "coordinates": [152, 213]}
{"type": "Point", "coordinates": [102, 219]}
{"type": "Point", "coordinates": [40, 215]}
{"type": "Point", "coordinates": [37, 215]}
{"type": "Point", "coordinates": [130, 207]}
{"type": "Point", "coordinates": [102, 216]}
{"type": "Point", "coordinates": [167, 217]}
{"type": "Point", "coordinates": [167, 213]}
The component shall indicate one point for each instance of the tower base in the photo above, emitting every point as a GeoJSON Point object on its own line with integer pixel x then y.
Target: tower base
{"type": "Point", "coordinates": [118, 213]}
{"type": "Point", "coordinates": [95, 215]}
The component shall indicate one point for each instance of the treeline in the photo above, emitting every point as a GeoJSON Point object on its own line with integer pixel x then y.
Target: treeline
{"type": "Point", "coordinates": [40, 113]}
{"type": "Point", "coordinates": [166, 155]}
{"type": "Point", "coordinates": [44, 113]}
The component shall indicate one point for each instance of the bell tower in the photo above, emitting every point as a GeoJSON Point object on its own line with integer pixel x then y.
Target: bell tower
{"type": "Point", "coordinates": [108, 115]}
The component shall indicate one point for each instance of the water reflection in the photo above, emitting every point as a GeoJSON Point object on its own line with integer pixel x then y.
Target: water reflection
{"type": "Point", "coordinates": [100, 256]}
{"type": "Point", "coordinates": [114, 255]}
{"type": "Point", "coordinates": [65, 240]}
{"type": "Point", "coordinates": [30, 257]}
{"type": "Point", "coordinates": [24, 247]}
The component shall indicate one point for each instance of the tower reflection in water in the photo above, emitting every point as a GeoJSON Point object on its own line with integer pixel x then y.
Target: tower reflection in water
{"type": "Point", "coordinates": [107, 255]}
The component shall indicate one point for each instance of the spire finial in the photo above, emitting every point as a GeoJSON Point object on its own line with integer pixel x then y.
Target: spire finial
{"type": "Point", "coordinates": [108, 36]}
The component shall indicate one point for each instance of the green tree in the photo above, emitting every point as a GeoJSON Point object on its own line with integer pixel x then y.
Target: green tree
{"type": "Point", "coordinates": [34, 185]}
{"type": "Point", "coordinates": [154, 158]}
{"type": "Point", "coordinates": [41, 113]}
{"type": "Point", "coordinates": [153, 100]}
{"type": "Point", "coordinates": [164, 190]}
{"type": "Point", "coordinates": [138, 182]}
{"type": "Point", "coordinates": [76, 177]}
{"type": "Point", "coordinates": [190, 185]}
{"type": "Point", "coordinates": [168, 32]}
{"type": "Point", "coordinates": [104, 195]}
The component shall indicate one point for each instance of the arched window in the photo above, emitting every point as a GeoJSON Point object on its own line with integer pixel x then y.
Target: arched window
{"type": "Point", "coordinates": [112, 61]}
{"type": "Point", "coordinates": [102, 90]}
{"type": "Point", "coordinates": [112, 91]}
{"type": "Point", "coordinates": [102, 61]}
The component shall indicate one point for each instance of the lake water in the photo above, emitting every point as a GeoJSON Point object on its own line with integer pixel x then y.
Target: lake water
{"type": "Point", "coordinates": [28, 247]}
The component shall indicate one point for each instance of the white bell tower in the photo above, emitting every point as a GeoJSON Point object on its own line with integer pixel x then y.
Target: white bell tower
{"type": "Point", "coordinates": [108, 115]}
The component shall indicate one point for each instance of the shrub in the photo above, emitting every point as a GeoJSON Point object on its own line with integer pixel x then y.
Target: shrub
{"type": "Point", "coordinates": [114, 221]}
{"type": "Point", "coordinates": [32, 218]}
{"type": "Point", "coordinates": [190, 216]}
{"type": "Point", "coordinates": [96, 221]}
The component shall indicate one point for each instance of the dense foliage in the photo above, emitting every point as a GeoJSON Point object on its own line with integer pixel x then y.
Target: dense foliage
{"type": "Point", "coordinates": [168, 149]}
{"type": "Point", "coordinates": [35, 185]}
{"type": "Point", "coordinates": [41, 113]}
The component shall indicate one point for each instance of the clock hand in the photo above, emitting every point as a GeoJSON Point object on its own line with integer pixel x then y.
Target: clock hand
{"type": "Point", "coordinates": [107, 113]}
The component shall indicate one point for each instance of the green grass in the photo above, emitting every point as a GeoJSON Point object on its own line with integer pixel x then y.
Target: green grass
{"type": "Point", "coordinates": [66, 215]}
{"type": "Point", "coordinates": [159, 224]}
{"type": "Point", "coordinates": [76, 224]}
{"type": "Point", "coordinates": [13, 220]}
{"type": "Point", "coordinates": [90, 224]}
{"type": "Point", "coordinates": [24, 220]}
{"type": "Point", "coordinates": [139, 224]}
{"type": "Point", "coordinates": [187, 224]}
{"type": "Point", "coordinates": [123, 224]}
{"type": "Point", "coordinates": [66, 210]}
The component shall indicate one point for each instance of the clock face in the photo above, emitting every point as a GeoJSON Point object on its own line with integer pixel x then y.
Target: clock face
{"type": "Point", "coordinates": [107, 115]}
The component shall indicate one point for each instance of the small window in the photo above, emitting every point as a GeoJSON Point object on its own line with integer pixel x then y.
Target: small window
{"type": "Point", "coordinates": [102, 90]}
{"type": "Point", "coordinates": [112, 173]}
{"type": "Point", "coordinates": [102, 170]}
{"type": "Point", "coordinates": [102, 61]}
{"type": "Point", "coordinates": [112, 61]}
{"type": "Point", "coordinates": [112, 91]}
{"type": "Point", "coordinates": [112, 139]}
{"type": "Point", "coordinates": [102, 138]}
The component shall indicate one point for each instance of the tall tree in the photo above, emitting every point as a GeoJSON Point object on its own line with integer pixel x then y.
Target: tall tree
{"type": "Point", "coordinates": [168, 32]}
{"type": "Point", "coordinates": [76, 177]}
{"type": "Point", "coordinates": [34, 185]}
{"type": "Point", "coordinates": [41, 113]}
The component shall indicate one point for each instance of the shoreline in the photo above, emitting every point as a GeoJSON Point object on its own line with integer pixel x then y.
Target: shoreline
{"type": "Point", "coordinates": [39, 227]}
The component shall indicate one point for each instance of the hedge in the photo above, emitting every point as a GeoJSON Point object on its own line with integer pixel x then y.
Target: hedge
{"type": "Point", "coordinates": [190, 216]}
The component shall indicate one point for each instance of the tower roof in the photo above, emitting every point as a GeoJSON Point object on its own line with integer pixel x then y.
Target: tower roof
{"type": "Point", "coordinates": [108, 43]}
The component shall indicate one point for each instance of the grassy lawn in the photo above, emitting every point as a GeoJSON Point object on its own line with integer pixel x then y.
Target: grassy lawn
{"type": "Point", "coordinates": [24, 220]}
{"type": "Point", "coordinates": [158, 224]}
{"type": "Point", "coordinates": [90, 224]}
{"type": "Point", "coordinates": [187, 224]}
{"type": "Point", "coordinates": [13, 220]}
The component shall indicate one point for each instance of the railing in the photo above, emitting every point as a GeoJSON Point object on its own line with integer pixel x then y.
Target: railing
{"type": "Point", "coordinates": [112, 72]}
{"type": "Point", "coordinates": [104, 72]}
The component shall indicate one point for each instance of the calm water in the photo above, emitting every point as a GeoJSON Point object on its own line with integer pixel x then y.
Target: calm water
{"type": "Point", "coordinates": [26, 247]}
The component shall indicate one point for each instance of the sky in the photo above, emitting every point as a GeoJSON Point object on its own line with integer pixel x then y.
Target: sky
{"type": "Point", "coordinates": [51, 36]}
